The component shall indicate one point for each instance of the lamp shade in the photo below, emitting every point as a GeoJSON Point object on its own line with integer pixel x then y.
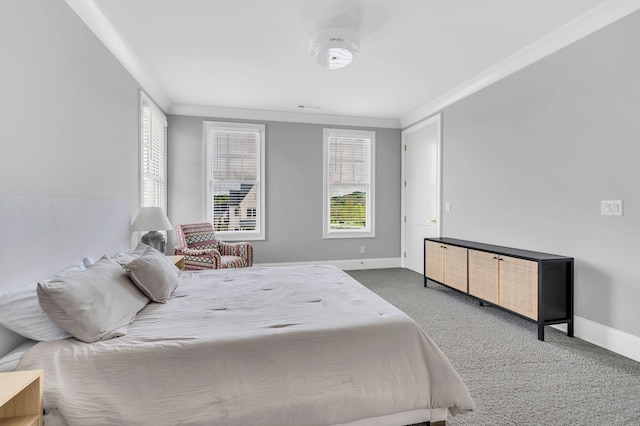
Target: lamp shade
{"type": "Point", "coordinates": [151, 219]}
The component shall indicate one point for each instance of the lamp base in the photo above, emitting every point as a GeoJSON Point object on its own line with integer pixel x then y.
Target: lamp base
{"type": "Point", "coordinates": [154, 239]}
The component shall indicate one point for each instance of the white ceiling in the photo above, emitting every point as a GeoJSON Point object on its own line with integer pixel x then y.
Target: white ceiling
{"type": "Point", "coordinates": [251, 57]}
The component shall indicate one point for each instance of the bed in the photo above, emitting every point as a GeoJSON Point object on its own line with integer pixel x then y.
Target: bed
{"type": "Point", "coordinates": [287, 345]}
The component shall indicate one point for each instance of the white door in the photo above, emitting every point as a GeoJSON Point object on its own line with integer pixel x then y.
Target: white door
{"type": "Point", "coordinates": [421, 190]}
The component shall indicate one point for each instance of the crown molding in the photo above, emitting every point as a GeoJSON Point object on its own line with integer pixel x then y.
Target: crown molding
{"type": "Point", "coordinates": [93, 17]}
{"type": "Point", "coordinates": [291, 117]}
{"type": "Point", "coordinates": [586, 24]}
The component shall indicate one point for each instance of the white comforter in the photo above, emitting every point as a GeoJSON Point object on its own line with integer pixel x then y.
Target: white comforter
{"type": "Point", "coordinates": [256, 346]}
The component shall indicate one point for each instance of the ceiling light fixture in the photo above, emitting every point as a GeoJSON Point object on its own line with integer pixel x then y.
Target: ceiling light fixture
{"type": "Point", "coordinates": [334, 48]}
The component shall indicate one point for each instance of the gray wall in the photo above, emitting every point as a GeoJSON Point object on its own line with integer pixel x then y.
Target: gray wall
{"type": "Point", "coordinates": [294, 191]}
{"type": "Point", "coordinates": [68, 109]}
{"type": "Point", "coordinates": [527, 161]}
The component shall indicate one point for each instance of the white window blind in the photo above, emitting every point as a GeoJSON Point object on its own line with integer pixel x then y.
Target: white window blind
{"type": "Point", "coordinates": [154, 156]}
{"type": "Point", "coordinates": [349, 185]}
{"type": "Point", "coordinates": [235, 179]}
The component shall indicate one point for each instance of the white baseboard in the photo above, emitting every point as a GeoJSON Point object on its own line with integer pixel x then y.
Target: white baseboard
{"type": "Point", "coordinates": [617, 341]}
{"type": "Point", "coordinates": [347, 265]}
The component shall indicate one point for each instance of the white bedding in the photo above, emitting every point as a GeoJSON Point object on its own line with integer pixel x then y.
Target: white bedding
{"type": "Point", "coordinates": [255, 346]}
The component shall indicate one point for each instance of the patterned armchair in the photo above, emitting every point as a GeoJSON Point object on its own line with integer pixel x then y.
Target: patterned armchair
{"type": "Point", "coordinates": [201, 250]}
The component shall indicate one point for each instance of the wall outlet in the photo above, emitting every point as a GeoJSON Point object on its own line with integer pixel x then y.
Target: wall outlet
{"type": "Point", "coordinates": [362, 250]}
{"type": "Point", "coordinates": [611, 208]}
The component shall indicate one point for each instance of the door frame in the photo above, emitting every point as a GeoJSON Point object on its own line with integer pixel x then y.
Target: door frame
{"type": "Point", "coordinates": [437, 119]}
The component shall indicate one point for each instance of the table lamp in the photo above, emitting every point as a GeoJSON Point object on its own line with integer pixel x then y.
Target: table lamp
{"type": "Point", "coordinates": [152, 219]}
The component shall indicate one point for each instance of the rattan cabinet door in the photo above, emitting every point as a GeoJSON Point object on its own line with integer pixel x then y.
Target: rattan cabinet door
{"type": "Point", "coordinates": [455, 267]}
{"type": "Point", "coordinates": [519, 286]}
{"type": "Point", "coordinates": [483, 276]}
{"type": "Point", "coordinates": [434, 261]}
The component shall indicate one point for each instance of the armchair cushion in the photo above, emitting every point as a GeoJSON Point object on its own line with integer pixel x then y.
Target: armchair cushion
{"type": "Point", "coordinates": [198, 252]}
{"type": "Point", "coordinates": [202, 241]}
{"type": "Point", "coordinates": [233, 262]}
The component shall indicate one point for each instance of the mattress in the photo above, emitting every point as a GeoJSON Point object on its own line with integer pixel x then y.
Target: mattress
{"type": "Point", "coordinates": [287, 345]}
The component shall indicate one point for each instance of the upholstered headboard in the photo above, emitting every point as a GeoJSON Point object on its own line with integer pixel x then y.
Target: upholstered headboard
{"type": "Point", "coordinates": [41, 235]}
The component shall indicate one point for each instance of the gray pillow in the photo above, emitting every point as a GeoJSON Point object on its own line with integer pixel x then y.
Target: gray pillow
{"type": "Point", "coordinates": [98, 303]}
{"type": "Point", "coordinates": [154, 275]}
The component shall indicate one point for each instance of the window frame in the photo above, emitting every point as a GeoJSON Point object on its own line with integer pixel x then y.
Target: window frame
{"type": "Point", "coordinates": [369, 231]}
{"type": "Point", "coordinates": [146, 102]}
{"type": "Point", "coordinates": [241, 235]}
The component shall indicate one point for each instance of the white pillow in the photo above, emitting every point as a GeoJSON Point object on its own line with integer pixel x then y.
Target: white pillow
{"type": "Point", "coordinates": [10, 361]}
{"type": "Point", "coordinates": [154, 275]}
{"type": "Point", "coordinates": [88, 261]}
{"type": "Point", "coordinates": [121, 257]}
{"type": "Point", "coordinates": [126, 256]}
{"type": "Point", "coordinates": [21, 313]}
{"type": "Point", "coordinates": [98, 303]}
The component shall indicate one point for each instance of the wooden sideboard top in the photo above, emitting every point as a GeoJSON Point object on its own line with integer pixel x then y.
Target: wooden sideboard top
{"type": "Point", "coordinates": [507, 251]}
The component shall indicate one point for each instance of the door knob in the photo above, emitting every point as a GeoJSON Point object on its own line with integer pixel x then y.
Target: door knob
{"type": "Point", "coordinates": [431, 220]}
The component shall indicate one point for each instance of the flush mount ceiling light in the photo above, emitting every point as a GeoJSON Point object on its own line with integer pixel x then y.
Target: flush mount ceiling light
{"type": "Point", "coordinates": [334, 48]}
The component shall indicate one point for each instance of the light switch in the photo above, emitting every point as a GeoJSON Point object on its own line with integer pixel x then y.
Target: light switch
{"type": "Point", "coordinates": [611, 208]}
{"type": "Point", "coordinates": [447, 206]}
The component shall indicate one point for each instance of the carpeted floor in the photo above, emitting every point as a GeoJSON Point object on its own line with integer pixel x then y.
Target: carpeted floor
{"type": "Point", "coordinates": [514, 378]}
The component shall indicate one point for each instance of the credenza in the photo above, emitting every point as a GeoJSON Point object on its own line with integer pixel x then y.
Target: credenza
{"type": "Point", "coordinates": [533, 285]}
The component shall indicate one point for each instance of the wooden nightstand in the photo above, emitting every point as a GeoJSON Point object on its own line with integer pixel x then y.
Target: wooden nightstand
{"type": "Point", "coordinates": [178, 261]}
{"type": "Point", "coordinates": [21, 398]}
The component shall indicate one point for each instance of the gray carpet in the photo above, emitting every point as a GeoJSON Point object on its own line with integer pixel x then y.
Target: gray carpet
{"type": "Point", "coordinates": [514, 378]}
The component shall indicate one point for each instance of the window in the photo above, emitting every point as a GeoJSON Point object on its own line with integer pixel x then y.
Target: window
{"type": "Point", "coordinates": [349, 158]}
{"type": "Point", "coordinates": [153, 146]}
{"type": "Point", "coordinates": [235, 179]}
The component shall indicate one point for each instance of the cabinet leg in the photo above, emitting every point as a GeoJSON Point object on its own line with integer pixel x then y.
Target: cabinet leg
{"type": "Point", "coordinates": [541, 331]}
{"type": "Point", "coordinates": [480, 302]}
{"type": "Point", "coordinates": [570, 328]}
